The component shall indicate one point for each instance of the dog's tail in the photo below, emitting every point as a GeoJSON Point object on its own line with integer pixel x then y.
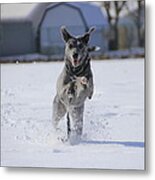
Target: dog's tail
{"type": "Point", "coordinates": [68, 125]}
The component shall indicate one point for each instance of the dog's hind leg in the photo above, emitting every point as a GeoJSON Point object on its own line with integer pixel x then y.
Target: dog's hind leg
{"type": "Point", "coordinates": [68, 126]}
{"type": "Point", "coordinates": [59, 111]}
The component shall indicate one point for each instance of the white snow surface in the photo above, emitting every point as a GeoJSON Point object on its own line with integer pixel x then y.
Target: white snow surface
{"type": "Point", "coordinates": [113, 135]}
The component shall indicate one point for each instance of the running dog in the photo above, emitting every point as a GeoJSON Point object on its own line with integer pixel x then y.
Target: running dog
{"type": "Point", "coordinates": [74, 84]}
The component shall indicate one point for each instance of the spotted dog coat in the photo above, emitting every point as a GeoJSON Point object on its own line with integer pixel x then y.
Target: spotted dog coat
{"type": "Point", "coordinates": [74, 84]}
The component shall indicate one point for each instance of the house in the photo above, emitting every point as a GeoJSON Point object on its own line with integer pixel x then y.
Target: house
{"type": "Point", "coordinates": [78, 17]}
{"type": "Point", "coordinates": [16, 33]}
{"type": "Point", "coordinates": [35, 27]}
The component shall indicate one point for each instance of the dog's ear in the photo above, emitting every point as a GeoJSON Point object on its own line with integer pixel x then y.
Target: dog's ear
{"type": "Point", "coordinates": [85, 38]}
{"type": "Point", "coordinates": [65, 34]}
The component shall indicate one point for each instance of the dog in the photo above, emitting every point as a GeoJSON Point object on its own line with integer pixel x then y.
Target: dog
{"type": "Point", "coordinates": [74, 84]}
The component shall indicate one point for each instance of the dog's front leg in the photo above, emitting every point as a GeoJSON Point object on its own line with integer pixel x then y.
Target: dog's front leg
{"type": "Point", "coordinates": [91, 88]}
{"type": "Point", "coordinates": [76, 118]}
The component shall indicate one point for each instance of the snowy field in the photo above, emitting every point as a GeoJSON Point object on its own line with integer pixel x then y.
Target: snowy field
{"type": "Point", "coordinates": [113, 136]}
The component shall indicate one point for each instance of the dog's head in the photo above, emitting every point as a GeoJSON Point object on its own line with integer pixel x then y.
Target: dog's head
{"type": "Point", "coordinates": [76, 48]}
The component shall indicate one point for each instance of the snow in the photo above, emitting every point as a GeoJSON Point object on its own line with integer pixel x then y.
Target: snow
{"type": "Point", "coordinates": [113, 136]}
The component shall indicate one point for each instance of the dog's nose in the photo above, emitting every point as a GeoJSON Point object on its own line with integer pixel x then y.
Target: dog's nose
{"type": "Point", "coordinates": [75, 56]}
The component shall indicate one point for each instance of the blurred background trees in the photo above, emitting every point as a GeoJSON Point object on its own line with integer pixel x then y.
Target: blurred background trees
{"type": "Point", "coordinates": [113, 10]}
{"type": "Point", "coordinates": [119, 11]}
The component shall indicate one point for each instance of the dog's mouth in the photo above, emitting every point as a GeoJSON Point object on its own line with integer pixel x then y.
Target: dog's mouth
{"type": "Point", "coordinates": [75, 62]}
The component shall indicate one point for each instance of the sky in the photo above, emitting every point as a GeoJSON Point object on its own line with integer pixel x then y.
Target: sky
{"type": "Point", "coordinates": [12, 10]}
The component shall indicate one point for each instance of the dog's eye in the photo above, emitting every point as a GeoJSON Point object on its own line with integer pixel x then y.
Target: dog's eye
{"type": "Point", "coordinates": [80, 46]}
{"type": "Point", "coordinates": [71, 46]}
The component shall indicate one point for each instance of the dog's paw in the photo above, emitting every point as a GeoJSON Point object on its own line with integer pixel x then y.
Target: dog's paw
{"type": "Point", "coordinates": [84, 80]}
{"type": "Point", "coordinates": [89, 97]}
{"type": "Point", "coordinates": [74, 138]}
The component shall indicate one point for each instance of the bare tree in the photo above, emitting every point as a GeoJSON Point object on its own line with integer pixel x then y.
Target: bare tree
{"type": "Point", "coordinates": [137, 15]}
{"type": "Point", "coordinates": [113, 10]}
{"type": "Point", "coordinates": [138, 19]}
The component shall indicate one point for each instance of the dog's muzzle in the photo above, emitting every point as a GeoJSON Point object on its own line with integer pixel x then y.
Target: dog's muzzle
{"type": "Point", "coordinates": [75, 60]}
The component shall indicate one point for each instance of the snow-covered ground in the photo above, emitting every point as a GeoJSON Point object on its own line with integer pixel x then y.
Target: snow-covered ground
{"type": "Point", "coordinates": [113, 136]}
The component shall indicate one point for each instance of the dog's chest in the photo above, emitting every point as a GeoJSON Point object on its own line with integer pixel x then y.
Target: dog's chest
{"type": "Point", "coordinates": [76, 91]}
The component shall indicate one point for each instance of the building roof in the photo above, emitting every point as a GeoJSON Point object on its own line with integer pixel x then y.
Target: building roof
{"type": "Point", "coordinates": [36, 15]}
{"type": "Point", "coordinates": [92, 12]}
{"type": "Point", "coordinates": [34, 11]}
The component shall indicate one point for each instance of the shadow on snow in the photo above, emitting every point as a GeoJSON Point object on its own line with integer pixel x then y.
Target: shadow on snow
{"type": "Point", "coordinates": [124, 143]}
